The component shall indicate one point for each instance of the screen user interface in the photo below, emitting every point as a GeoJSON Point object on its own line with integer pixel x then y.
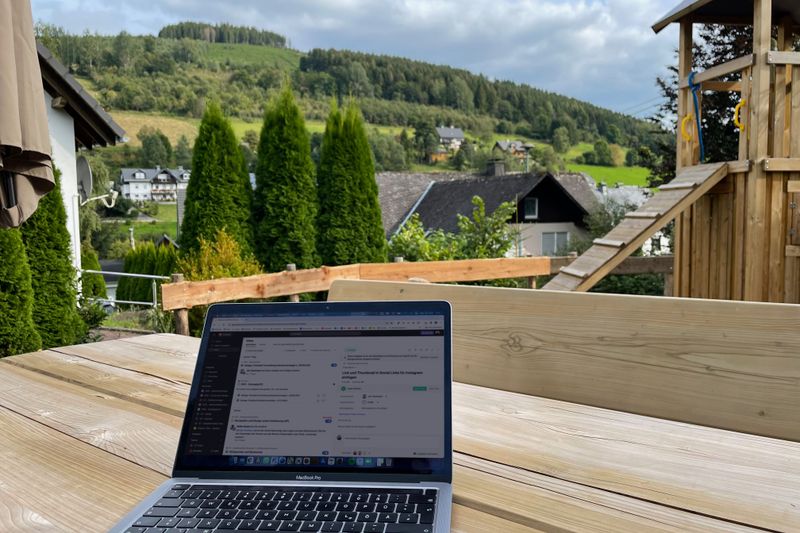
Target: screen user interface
{"type": "Point", "coordinates": [314, 391]}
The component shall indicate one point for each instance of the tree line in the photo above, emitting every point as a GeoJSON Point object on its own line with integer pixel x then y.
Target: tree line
{"type": "Point", "coordinates": [222, 33]}
{"type": "Point", "coordinates": [179, 75]}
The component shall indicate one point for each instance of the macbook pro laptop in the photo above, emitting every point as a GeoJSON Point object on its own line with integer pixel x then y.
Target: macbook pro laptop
{"type": "Point", "coordinates": [313, 417]}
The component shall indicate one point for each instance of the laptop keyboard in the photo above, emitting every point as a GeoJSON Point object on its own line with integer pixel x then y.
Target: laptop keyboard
{"type": "Point", "coordinates": [219, 508]}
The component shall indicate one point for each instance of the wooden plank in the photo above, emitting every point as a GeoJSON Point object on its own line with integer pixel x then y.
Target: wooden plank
{"type": "Point", "coordinates": [739, 218]}
{"type": "Point", "coordinates": [461, 270]}
{"type": "Point", "coordinates": [778, 164]}
{"type": "Point", "coordinates": [724, 236]}
{"type": "Point", "coordinates": [744, 118]}
{"type": "Point", "coordinates": [617, 454]}
{"type": "Point", "coordinates": [777, 238]}
{"type": "Point", "coordinates": [192, 293]}
{"type": "Point", "coordinates": [468, 520]}
{"type": "Point", "coordinates": [783, 58]}
{"type": "Point", "coordinates": [58, 480]}
{"type": "Point", "coordinates": [734, 365]}
{"type": "Point", "coordinates": [124, 353]}
{"type": "Point", "coordinates": [143, 389]}
{"type": "Point", "coordinates": [686, 245]}
{"type": "Point", "coordinates": [507, 492]}
{"type": "Point", "coordinates": [793, 186]}
{"type": "Point", "coordinates": [130, 431]}
{"type": "Point", "coordinates": [735, 167]}
{"type": "Point", "coordinates": [672, 186]}
{"type": "Point", "coordinates": [714, 255]}
{"type": "Point", "coordinates": [718, 71]}
{"type": "Point", "coordinates": [643, 214]}
{"type": "Point", "coordinates": [609, 242]}
{"type": "Point", "coordinates": [684, 155]}
{"type": "Point", "coordinates": [723, 86]}
{"type": "Point", "coordinates": [792, 250]}
{"type": "Point", "coordinates": [574, 272]}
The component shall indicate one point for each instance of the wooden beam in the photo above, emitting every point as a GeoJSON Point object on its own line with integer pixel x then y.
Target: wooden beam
{"type": "Point", "coordinates": [793, 186]}
{"type": "Point", "coordinates": [643, 214]}
{"type": "Point", "coordinates": [718, 71]}
{"type": "Point", "coordinates": [792, 251]}
{"type": "Point", "coordinates": [737, 167]}
{"type": "Point", "coordinates": [782, 164]}
{"type": "Point", "coordinates": [783, 58]}
{"type": "Point", "coordinates": [723, 86]}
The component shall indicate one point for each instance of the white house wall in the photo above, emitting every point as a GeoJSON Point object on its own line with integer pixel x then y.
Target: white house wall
{"type": "Point", "coordinates": [531, 235]}
{"type": "Point", "coordinates": [62, 139]}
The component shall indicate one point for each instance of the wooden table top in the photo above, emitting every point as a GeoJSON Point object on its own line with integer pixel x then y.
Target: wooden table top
{"type": "Point", "coordinates": [89, 430]}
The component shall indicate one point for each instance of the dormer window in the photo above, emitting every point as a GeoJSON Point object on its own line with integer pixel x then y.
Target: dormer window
{"type": "Point", "coordinates": [530, 208]}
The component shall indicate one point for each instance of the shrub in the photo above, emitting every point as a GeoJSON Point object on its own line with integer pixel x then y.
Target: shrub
{"type": "Point", "coordinates": [215, 259]}
{"type": "Point", "coordinates": [146, 258]}
{"type": "Point", "coordinates": [17, 331]}
{"type": "Point", "coordinates": [53, 277]}
{"type": "Point", "coordinates": [92, 285]}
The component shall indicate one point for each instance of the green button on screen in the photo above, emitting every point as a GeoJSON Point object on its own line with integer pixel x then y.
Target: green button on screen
{"type": "Point", "coordinates": [420, 388]}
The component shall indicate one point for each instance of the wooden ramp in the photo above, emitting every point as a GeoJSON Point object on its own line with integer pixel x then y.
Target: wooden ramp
{"type": "Point", "coordinates": [688, 186]}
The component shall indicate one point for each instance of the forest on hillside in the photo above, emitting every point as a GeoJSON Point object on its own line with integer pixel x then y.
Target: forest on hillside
{"type": "Point", "coordinates": [178, 72]}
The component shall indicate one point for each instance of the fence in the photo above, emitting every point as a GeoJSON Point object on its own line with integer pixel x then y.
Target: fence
{"type": "Point", "coordinates": [179, 296]}
{"type": "Point", "coordinates": [152, 303]}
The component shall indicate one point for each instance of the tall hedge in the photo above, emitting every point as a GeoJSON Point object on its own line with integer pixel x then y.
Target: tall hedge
{"type": "Point", "coordinates": [285, 202]}
{"type": "Point", "coordinates": [349, 227]}
{"type": "Point", "coordinates": [53, 277]}
{"type": "Point", "coordinates": [92, 285]}
{"type": "Point", "coordinates": [17, 332]}
{"type": "Point", "coordinates": [146, 258]}
{"type": "Point", "coordinates": [219, 195]}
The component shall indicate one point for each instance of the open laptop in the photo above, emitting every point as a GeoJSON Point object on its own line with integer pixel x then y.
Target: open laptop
{"type": "Point", "coordinates": [313, 417]}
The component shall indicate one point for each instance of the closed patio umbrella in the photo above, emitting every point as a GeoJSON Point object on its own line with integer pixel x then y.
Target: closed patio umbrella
{"type": "Point", "coordinates": [26, 171]}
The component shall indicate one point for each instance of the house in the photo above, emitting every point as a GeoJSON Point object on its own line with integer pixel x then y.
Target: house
{"type": "Point", "coordinates": [518, 149]}
{"type": "Point", "coordinates": [153, 184]}
{"type": "Point", "coordinates": [76, 121]}
{"type": "Point", "coordinates": [450, 138]}
{"type": "Point", "coordinates": [547, 216]}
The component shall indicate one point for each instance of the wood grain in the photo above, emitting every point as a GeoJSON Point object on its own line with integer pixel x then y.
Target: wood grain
{"type": "Point", "coordinates": [646, 458]}
{"type": "Point", "coordinates": [734, 365]}
{"type": "Point", "coordinates": [56, 479]}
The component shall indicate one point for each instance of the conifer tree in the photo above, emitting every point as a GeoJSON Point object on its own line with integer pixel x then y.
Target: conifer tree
{"type": "Point", "coordinates": [53, 278]}
{"type": "Point", "coordinates": [219, 195]}
{"type": "Point", "coordinates": [349, 228]}
{"type": "Point", "coordinates": [17, 332]}
{"type": "Point", "coordinates": [285, 205]}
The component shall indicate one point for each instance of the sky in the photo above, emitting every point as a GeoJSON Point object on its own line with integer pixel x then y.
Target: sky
{"type": "Point", "coordinates": [600, 51]}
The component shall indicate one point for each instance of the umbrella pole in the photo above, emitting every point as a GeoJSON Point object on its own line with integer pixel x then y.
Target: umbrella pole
{"type": "Point", "coordinates": [9, 191]}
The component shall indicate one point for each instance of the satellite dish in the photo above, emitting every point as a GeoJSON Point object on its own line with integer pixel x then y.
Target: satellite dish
{"type": "Point", "coordinates": [84, 178]}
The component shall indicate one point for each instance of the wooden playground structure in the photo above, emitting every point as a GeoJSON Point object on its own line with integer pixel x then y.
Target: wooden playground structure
{"type": "Point", "coordinates": [737, 230]}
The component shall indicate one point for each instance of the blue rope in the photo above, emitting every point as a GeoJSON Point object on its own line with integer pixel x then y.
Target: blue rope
{"type": "Point", "coordinates": [695, 87]}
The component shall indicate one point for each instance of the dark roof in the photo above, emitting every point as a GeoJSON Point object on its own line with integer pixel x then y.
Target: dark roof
{"type": "Point", "coordinates": [399, 191]}
{"type": "Point", "coordinates": [450, 133]}
{"type": "Point", "coordinates": [444, 200]}
{"type": "Point", "coordinates": [128, 174]}
{"type": "Point", "coordinates": [93, 126]}
{"type": "Point", "coordinates": [582, 188]}
{"type": "Point", "coordinates": [517, 146]}
{"type": "Point", "coordinates": [725, 11]}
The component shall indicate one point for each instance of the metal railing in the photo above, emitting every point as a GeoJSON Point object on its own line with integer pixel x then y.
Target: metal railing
{"type": "Point", "coordinates": [153, 303]}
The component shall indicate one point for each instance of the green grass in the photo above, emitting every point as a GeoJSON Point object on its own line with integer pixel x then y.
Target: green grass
{"type": "Point", "coordinates": [127, 320]}
{"type": "Point", "coordinates": [245, 54]}
{"type": "Point", "coordinates": [612, 175]}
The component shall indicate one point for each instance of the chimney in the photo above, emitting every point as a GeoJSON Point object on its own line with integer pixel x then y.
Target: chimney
{"type": "Point", "coordinates": [158, 169]}
{"type": "Point", "coordinates": [496, 167]}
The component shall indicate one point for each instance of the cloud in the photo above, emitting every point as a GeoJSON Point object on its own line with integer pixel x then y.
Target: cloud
{"type": "Point", "coordinates": [600, 51]}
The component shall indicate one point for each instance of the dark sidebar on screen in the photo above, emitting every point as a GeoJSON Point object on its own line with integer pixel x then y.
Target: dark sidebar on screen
{"type": "Point", "coordinates": [215, 394]}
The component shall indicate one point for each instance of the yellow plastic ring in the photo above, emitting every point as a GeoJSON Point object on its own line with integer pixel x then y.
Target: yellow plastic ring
{"type": "Point", "coordinates": [686, 136]}
{"type": "Point", "coordinates": [739, 106]}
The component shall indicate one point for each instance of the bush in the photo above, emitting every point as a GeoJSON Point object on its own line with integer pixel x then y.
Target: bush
{"type": "Point", "coordinates": [92, 285]}
{"type": "Point", "coordinates": [53, 277]}
{"type": "Point", "coordinates": [215, 259]}
{"type": "Point", "coordinates": [17, 331]}
{"type": "Point", "coordinates": [146, 258]}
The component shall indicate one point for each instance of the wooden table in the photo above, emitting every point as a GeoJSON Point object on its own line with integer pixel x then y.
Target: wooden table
{"type": "Point", "coordinates": [89, 430]}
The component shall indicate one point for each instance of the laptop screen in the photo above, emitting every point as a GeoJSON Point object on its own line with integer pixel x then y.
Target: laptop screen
{"type": "Point", "coordinates": [321, 387]}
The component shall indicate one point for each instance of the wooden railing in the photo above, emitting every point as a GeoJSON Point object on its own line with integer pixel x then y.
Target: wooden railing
{"type": "Point", "coordinates": [180, 296]}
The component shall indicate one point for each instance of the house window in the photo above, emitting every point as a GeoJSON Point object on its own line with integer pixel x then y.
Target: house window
{"type": "Point", "coordinates": [531, 208]}
{"type": "Point", "coordinates": [554, 242]}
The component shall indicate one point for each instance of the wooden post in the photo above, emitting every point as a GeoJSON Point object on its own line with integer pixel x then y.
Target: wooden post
{"type": "Point", "coordinates": [291, 267]}
{"type": "Point", "coordinates": [181, 315]}
{"type": "Point", "coordinates": [669, 281]}
{"type": "Point", "coordinates": [683, 221]}
{"type": "Point", "coordinates": [757, 221]}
